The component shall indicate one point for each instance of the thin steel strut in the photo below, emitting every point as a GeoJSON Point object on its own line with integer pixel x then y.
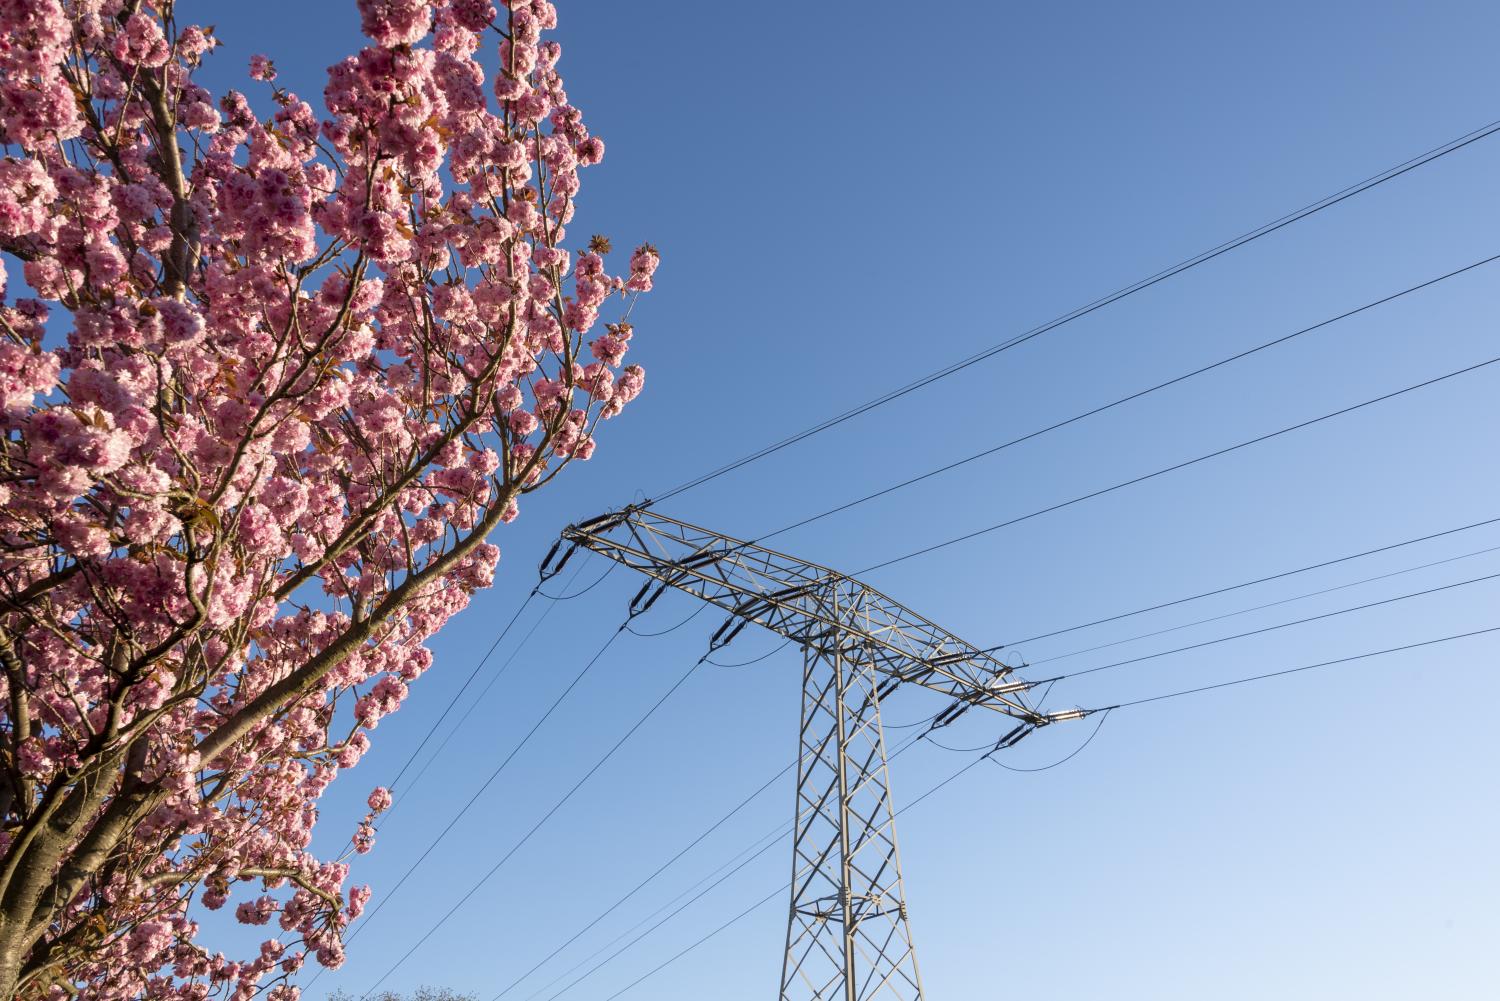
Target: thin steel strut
{"type": "Point", "coordinates": [848, 936]}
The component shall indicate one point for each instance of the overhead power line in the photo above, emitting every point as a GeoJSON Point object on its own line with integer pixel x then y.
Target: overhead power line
{"type": "Point", "coordinates": [756, 847]}
{"type": "Point", "coordinates": [584, 590]}
{"type": "Point", "coordinates": [1113, 618]}
{"type": "Point", "coordinates": [504, 631]}
{"type": "Point", "coordinates": [1249, 583]}
{"type": "Point", "coordinates": [649, 879]}
{"type": "Point", "coordinates": [776, 834]}
{"type": "Point", "coordinates": [1121, 616]}
{"type": "Point", "coordinates": [670, 629]}
{"type": "Point", "coordinates": [1305, 667]}
{"type": "Point", "coordinates": [463, 811]}
{"type": "Point", "coordinates": [626, 948]}
{"type": "Point", "coordinates": [1108, 709]}
{"type": "Point", "coordinates": [1181, 465]}
{"type": "Point", "coordinates": [495, 676]}
{"type": "Point", "coordinates": [1272, 628]}
{"type": "Point", "coordinates": [1238, 356]}
{"type": "Point", "coordinates": [1329, 201]}
{"type": "Point", "coordinates": [753, 660]}
{"type": "Point", "coordinates": [1259, 608]}
{"type": "Point", "coordinates": [1103, 715]}
{"type": "Point", "coordinates": [763, 901]}
{"type": "Point", "coordinates": [479, 884]}
{"type": "Point", "coordinates": [1275, 225]}
{"type": "Point", "coordinates": [781, 833]}
{"type": "Point", "coordinates": [756, 906]}
{"type": "Point", "coordinates": [478, 699]}
{"type": "Point", "coordinates": [1061, 761]}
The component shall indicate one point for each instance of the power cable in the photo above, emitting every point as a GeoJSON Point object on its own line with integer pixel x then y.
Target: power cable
{"type": "Point", "coordinates": [678, 856]}
{"type": "Point", "coordinates": [1061, 761]}
{"type": "Point", "coordinates": [763, 901]}
{"type": "Point", "coordinates": [1260, 608]}
{"type": "Point", "coordinates": [1041, 701]}
{"type": "Point", "coordinates": [643, 883]}
{"type": "Point", "coordinates": [664, 920]}
{"type": "Point", "coordinates": [505, 630]}
{"type": "Point", "coordinates": [1249, 583]}
{"type": "Point", "coordinates": [1272, 628]}
{"type": "Point", "coordinates": [780, 832]}
{"type": "Point", "coordinates": [766, 899]}
{"type": "Point", "coordinates": [1268, 228]}
{"type": "Point", "coordinates": [1157, 698]}
{"type": "Point", "coordinates": [579, 594]}
{"type": "Point", "coordinates": [920, 722]}
{"type": "Point", "coordinates": [1125, 399]}
{"type": "Point", "coordinates": [386, 898]}
{"type": "Point", "coordinates": [775, 835]}
{"type": "Point", "coordinates": [1145, 283]}
{"type": "Point", "coordinates": [479, 699]}
{"type": "Point", "coordinates": [1181, 465]}
{"type": "Point", "coordinates": [539, 824]}
{"type": "Point", "coordinates": [753, 660]}
{"type": "Point", "coordinates": [942, 374]}
{"type": "Point", "coordinates": [958, 750]}
{"type": "Point", "coordinates": [669, 629]}
{"type": "Point", "coordinates": [1304, 667]}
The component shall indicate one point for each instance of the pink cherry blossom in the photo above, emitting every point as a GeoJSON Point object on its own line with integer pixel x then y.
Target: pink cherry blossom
{"type": "Point", "coordinates": [142, 43]}
{"type": "Point", "coordinates": [261, 68]}
{"type": "Point", "coordinates": [380, 799]}
{"type": "Point", "coordinates": [278, 375]}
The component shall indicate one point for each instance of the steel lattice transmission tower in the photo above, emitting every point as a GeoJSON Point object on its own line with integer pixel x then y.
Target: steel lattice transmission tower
{"type": "Point", "coordinates": [848, 937]}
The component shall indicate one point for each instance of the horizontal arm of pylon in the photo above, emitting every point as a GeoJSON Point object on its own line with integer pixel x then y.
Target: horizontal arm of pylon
{"type": "Point", "coordinates": [791, 597]}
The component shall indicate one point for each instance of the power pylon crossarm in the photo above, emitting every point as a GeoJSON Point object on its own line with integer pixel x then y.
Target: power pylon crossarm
{"type": "Point", "coordinates": [848, 934]}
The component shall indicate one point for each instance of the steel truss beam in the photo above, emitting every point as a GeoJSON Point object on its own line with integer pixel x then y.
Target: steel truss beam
{"type": "Point", "coordinates": [848, 936]}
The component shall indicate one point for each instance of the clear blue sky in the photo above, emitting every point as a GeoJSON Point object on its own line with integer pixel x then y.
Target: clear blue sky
{"type": "Point", "coordinates": [849, 195]}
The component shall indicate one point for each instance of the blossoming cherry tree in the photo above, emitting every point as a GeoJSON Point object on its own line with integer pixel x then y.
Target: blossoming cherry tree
{"type": "Point", "coordinates": [270, 386]}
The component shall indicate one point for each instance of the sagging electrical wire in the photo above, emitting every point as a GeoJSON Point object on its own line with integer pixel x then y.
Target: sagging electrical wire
{"type": "Point", "coordinates": [1280, 575]}
{"type": "Point", "coordinates": [469, 804]}
{"type": "Point", "coordinates": [1263, 607]}
{"type": "Point", "coordinates": [1192, 262]}
{"type": "Point", "coordinates": [994, 450]}
{"type": "Point", "coordinates": [1104, 712]}
{"type": "Point", "coordinates": [670, 629]}
{"type": "Point", "coordinates": [1298, 670]}
{"type": "Point", "coordinates": [490, 873]}
{"type": "Point", "coordinates": [1272, 628]}
{"type": "Point", "coordinates": [1384, 397]}
{"type": "Point", "coordinates": [754, 660]}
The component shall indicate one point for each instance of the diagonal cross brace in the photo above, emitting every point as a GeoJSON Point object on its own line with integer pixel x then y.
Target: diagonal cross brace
{"type": "Point", "coordinates": [793, 598]}
{"type": "Point", "coordinates": [848, 934]}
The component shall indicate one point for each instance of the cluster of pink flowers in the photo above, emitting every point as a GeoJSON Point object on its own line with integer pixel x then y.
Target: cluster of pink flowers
{"type": "Point", "coordinates": [311, 361]}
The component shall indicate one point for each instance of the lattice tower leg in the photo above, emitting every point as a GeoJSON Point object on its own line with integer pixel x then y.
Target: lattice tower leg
{"type": "Point", "coordinates": [848, 938]}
